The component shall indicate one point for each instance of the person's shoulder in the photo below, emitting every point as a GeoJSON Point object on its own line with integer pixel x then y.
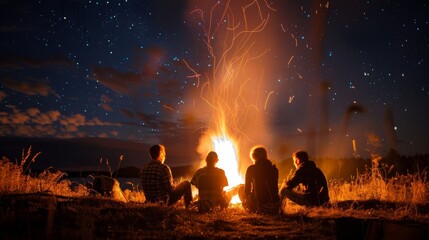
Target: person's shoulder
{"type": "Point", "coordinates": [274, 167]}
{"type": "Point", "coordinates": [150, 163]}
{"type": "Point", "coordinates": [165, 166]}
{"type": "Point", "coordinates": [201, 170]}
{"type": "Point", "coordinates": [220, 170]}
{"type": "Point", "coordinates": [251, 167]}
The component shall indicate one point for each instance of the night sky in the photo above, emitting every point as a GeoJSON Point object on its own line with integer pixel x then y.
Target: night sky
{"type": "Point", "coordinates": [331, 72]}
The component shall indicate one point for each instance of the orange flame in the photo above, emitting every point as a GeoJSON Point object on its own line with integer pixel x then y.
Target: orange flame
{"type": "Point", "coordinates": [232, 93]}
{"type": "Point", "coordinates": [228, 159]}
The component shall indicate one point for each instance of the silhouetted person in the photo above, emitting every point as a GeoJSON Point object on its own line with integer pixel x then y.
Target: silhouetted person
{"type": "Point", "coordinates": [311, 178]}
{"type": "Point", "coordinates": [210, 182]}
{"type": "Point", "coordinates": [260, 191]}
{"type": "Point", "coordinates": [157, 181]}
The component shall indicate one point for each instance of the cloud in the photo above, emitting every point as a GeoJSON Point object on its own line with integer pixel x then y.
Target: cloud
{"type": "Point", "coordinates": [3, 95]}
{"type": "Point", "coordinates": [149, 61]}
{"type": "Point", "coordinates": [127, 113]}
{"type": "Point", "coordinates": [105, 98]}
{"type": "Point", "coordinates": [24, 130]}
{"type": "Point", "coordinates": [149, 120]}
{"type": "Point", "coordinates": [104, 103]}
{"type": "Point", "coordinates": [120, 82]}
{"type": "Point", "coordinates": [19, 118]}
{"type": "Point", "coordinates": [103, 135]}
{"type": "Point", "coordinates": [12, 61]}
{"type": "Point", "coordinates": [46, 118]}
{"type": "Point", "coordinates": [71, 128]}
{"type": "Point", "coordinates": [35, 123]}
{"type": "Point", "coordinates": [26, 84]}
{"type": "Point", "coordinates": [33, 111]}
{"type": "Point", "coordinates": [76, 120]}
{"type": "Point", "coordinates": [106, 107]}
{"type": "Point", "coordinates": [148, 66]}
{"type": "Point", "coordinates": [30, 87]}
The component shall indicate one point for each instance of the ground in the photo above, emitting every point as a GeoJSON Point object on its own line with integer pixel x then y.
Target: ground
{"type": "Point", "coordinates": [44, 216]}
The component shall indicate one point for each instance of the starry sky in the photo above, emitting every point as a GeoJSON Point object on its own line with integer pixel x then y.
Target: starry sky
{"type": "Point", "coordinates": [326, 72]}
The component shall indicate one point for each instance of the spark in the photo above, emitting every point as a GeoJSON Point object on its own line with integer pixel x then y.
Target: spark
{"type": "Point", "coordinates": [354, 146]}
{"type": "Point", "coordinates": [291, 98]}
{"type": "Point", "coordinates": [266, 101]}
{"type": "Point", "coordinates": [284, 30]}
{"type": "Point", "coordinates": [290, 60]}
{"type": "Point", "coordinates": [231, 47]}
{"type": "Point", "coordinates": [169, 108]}
{"type": "Point", "coordinates": [299, 130]}
{"type": "Point", "coordinates": [196, 75]}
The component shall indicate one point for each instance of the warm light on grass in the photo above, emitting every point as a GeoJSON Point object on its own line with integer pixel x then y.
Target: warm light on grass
{"type": "Point", "coordinates": [14, 178]}
{"type": "Point", "coordinates": [407, 192]}
{"type": "Point", "coordinates": [410, 188]}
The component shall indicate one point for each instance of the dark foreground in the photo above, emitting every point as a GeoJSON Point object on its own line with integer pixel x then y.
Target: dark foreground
{"type": "Point", "coordinates": [43, 216]}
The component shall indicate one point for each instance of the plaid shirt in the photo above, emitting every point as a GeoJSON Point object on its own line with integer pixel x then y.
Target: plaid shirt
{"type": "Point", "coordinates": [157, 181]}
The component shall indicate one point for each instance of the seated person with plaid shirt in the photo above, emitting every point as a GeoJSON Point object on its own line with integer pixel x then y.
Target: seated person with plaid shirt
{"type": "Point", "coordinates": [157, 181]}
{"type": "Point", "coordinates": [210, 182]}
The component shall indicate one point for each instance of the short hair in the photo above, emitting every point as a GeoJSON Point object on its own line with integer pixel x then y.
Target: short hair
{"type": "Point", "coordinates": [258, 153]}
{"type": "Point", "coordinates": [301, 155]}
{"type": "Point", "coordinates": [212, 158]}
{"type": "Point", "coordinates": [155, 151]}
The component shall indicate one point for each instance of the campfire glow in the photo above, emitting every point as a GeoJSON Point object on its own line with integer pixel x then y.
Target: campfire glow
{"type": "Point", "coordinates": [228, 160]}
{"type": "Point", "coordinates": [233, 91]}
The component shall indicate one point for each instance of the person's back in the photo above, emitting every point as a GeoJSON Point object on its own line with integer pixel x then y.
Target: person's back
{"type": "Point", "coordinates": [314, 181]}
{"type": "Point", "coordinates": [264, 177]}
{"type": "Point", "coordinates": [260, 192]}
{"type": "Point", "coordinates": [155, 181]}
{"type": "Point", "coordinates": [210, 182]}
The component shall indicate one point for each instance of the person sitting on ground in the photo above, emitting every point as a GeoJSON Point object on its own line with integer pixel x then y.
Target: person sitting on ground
{"type": "Point", "coordinates": [210, 182]}
{"type": "Point", "coordinates": [260, 190]}
{"type": "Point", "coordinates": [311, 178]}
{"type": "Point", "coordinates": [157, 181]}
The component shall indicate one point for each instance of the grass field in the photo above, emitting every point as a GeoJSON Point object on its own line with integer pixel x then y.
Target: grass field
{"type": "Point", "coordinates": [48, 206]}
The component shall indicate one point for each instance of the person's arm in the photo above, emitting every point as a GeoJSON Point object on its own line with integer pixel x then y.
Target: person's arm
{"type": "Point", "coordinates": [248, 181]}
{"type": "Point", "coordinates": [195, 179]}
{"type": "Point", "coordinates": [224, 180]}
{"type": "Point", "coordinates": [295, 179]}
{"type": "Point", "coordinates": [167, 179]}
{"type": "Point", "coordinates": [276, 178]}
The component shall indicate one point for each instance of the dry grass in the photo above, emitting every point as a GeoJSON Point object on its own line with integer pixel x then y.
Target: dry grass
{"type": "Point", "coordinates": [16, 178]}
{"type": "Point", "coordinates": [411, 188]}
{"type": "Point", "coordinates": [50, 206]}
